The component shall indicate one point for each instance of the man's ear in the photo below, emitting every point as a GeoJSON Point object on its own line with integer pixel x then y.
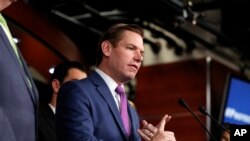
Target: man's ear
{"type": "Point", "coordinates": [106, 47]}
{"type": "Point", "coordinates": [55, 85]}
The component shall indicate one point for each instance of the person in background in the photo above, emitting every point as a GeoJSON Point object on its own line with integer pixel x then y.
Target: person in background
{"type": "Point", "coordinates": [18, 93]}
{"type": "Point", "coordinates": [96, 108]}
{"type": "Point", "coordinates": [64, 72]}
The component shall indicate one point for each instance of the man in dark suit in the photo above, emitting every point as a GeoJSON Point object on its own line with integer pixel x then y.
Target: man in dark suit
{"type": "Point", "coordinates": [64, 72]}
{"type": "Point", "coordinates": [18, 94]}
{"type": "Point", "coordinates": [90, 109]}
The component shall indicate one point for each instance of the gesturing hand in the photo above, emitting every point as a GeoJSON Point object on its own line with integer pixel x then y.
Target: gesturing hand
{"type": "Point", "coordinates": [158, 133]}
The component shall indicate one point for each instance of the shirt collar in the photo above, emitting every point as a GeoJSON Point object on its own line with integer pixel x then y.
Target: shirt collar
{"type": "Point", "coordinates": [108, 80]}
{"type": "Point", "coordinates": [52, 108]}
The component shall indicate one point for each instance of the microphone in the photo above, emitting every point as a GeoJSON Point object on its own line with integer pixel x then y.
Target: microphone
{"type": "Point", "coordinates": [183, 103]}
{"type": "Point", "coordinates": [203, 110]}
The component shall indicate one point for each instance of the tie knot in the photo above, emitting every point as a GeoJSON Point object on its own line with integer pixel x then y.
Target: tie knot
{"type": "Point", "coordinates": [120, 90]}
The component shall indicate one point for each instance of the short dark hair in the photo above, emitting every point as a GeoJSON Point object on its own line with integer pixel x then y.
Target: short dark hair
{"type": "Point", "coordinates": [61, 70]}
{"type": "Point", "coordinates": [113, 35]}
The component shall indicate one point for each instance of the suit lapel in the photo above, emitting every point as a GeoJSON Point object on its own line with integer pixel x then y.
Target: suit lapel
{"type": "Point", "coordinates": [22, 69]}
{"type": "Point", "coordinates": [50, 117]}
{"type": "Point", "coordinates": [106, 94]}
{"type": "Point", "coordinates": [32, 90]}
{"type": "Point", "coordinates": [8, 45]}
{"type": "Point", "coordinates": [133, 135]}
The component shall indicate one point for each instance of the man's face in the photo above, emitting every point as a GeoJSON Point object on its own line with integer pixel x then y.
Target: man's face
{"type": "Point", "coordinates": [126, 57]}
{"type": "Point", "coordinates": [74, 74]}
{"type": "Point", "coordinates": [5, 3]}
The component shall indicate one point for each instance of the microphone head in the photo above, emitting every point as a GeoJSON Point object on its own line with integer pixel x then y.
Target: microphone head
{"type": "Point", "coordinates": [202, 109]}
{"type": "Point", "coordinates": [183, 103]}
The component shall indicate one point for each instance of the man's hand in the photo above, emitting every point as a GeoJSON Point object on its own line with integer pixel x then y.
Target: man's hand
{"type": "Point", "coordinates": [158, 133]}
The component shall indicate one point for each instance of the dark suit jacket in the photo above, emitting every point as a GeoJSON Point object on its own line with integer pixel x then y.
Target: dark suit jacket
{"type": "Point", "coordinates": [18, 96]}
{"type": "Point", "coordinates": [46, 124]}
{"type": "Point", "coordinates": [87, 111]}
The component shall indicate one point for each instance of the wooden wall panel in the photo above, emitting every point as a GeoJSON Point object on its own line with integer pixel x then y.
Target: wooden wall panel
{"type": "Point", "coordinates": [158, 89]}
{"type": "Point", "coordinates": [36, 54]}
{"type": "Point", "coordinates": [35, 23]}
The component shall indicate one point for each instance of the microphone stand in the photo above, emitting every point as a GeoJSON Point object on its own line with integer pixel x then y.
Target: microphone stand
{"type": "Point", "coordinates": [202, 109]}
{"type": "Point", "coordinates": [183, 103]}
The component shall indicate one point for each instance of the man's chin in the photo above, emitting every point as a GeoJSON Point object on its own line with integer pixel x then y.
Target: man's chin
{"type": "Point", "coordinates": [131, 76]}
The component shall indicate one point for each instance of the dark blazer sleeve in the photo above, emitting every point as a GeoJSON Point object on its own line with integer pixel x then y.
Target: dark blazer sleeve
{"type": "Point", "coordinates": [73, 120]}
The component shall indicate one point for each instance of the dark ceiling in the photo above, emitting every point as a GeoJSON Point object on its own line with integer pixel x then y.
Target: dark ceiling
{"type": "Point", "coordinates": [84, 20]}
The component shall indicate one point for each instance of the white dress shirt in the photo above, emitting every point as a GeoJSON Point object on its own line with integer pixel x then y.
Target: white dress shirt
{"type": "Point", "coordinates": [111, 85]}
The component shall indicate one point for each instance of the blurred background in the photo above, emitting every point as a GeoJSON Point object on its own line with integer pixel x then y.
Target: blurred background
{"type": "Point", "coordinates": [191, 49]}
